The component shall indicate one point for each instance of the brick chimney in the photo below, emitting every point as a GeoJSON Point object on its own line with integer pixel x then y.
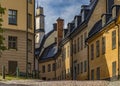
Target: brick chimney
{"type": "Point", "coordinates": [60, 25]}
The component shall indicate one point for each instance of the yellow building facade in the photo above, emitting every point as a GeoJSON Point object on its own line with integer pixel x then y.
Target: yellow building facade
{"type": "Point", "coordinates": [104, 48]}
{"type": "Point", "coordinates": [18, 28]}
{"type": "Point", "coordinates": [47, 70]}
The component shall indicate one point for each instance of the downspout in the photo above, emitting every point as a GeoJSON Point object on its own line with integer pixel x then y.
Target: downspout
{"type": "Point", "coordinates": [88, 61]}
{"type": "Point", "coordinates": [34, 37]}
{"type": "Point", "coordinates": [72, 56]}
{"type": "Point", "coordinates": [27, 39]}
{"type": "Point", "coordinates": [55, 68]}
{"type": "Point", "coordinates": [118, 47]}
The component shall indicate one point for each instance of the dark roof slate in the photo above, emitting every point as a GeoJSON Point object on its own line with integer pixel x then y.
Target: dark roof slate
{"type": "Point", "coordinates": [49, 52]}
{"type": "Point", "coordinates": [96, 28]}
{"type": "Point", "coordinates": [38, 50]}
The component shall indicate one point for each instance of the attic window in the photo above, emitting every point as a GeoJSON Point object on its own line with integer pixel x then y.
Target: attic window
{"type": "Point", "coordinates": [114, 12]}
{"type": "Point", "coordinates": [76, 22]}
{"type": "Point", "coordinates": [83, 16]}
{"type": "Point", "coordinates": [103, 20]}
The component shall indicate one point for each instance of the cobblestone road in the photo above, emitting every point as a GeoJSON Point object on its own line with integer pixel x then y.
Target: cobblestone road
{"type": "Point", "coordinates": [58, 83]}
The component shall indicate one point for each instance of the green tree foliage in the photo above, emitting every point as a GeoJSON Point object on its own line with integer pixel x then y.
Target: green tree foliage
{"type": "Point", "coordinates": [2, 47]}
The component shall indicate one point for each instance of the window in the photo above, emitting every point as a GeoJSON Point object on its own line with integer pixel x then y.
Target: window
{"type": "Point", "coordinates": [83, 15]}
{"type": "Point", "coordinates": [85, 37]}
{"type": "Point", "coordinates": [43, 69]}
{"type": "Point", "coordinates": [55, 39]}
{"type": "Point", "coordinates": [75, 46]}
{"type": "Point", "coordinates": [68, 51]}
{"type": "Point", "coordinates": [81, 67]}
{"type": "Point", "coordinates": [30, 1]}
{"type": "Point", "coordinates": [114, 69]}
{"type": "Point", "coordinates": [114, 39]}
{"type": "Point", "coordinates": [78, 68]}
{"type": "Point", "coordinates": [29, 67]}
{"type": "Point", "coordinates": [63, 54]}
{"type": "Point", "coordinates": [97, 48]}
{"type": "Point", "coordinates": [76, 22]}
{"type": "Point", "coordinates": [29, 21]}
{"type": "Point", "coordinates": [29, 45]}
{"type": "Point", "coordinates": [85, 66]}
{"type": "Point", "coordinates": [103, 45]}
{"type": "Point", "coordinates": [68, 71]}
{"type": "Point", "coordinates": [78, 44]}
{"type": "Point", "coordinates": [92, 51]}
{"type": "Point", "coordinates": [92, 74]}
{"type": "Point", "coordinates": [81, 42]}
{"type": "Point", "coordinates": [98, 73]}
{"type": "Point", "coordinates": [12, 42]}
{"type": "Point", "coordinates": [49, 67]}
{"type": "Point", "coordinates": [12, 17]}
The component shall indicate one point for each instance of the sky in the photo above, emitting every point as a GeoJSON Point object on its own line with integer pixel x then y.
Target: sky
{"type": "Point", "coordinates": [65, 9]}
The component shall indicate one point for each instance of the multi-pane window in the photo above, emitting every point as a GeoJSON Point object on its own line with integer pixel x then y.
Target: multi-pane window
{"type": "Point", "coordinates": [85, 66]}
{"type": "Point", "coordinates": [92, 74]}
{"type": "Point", "coordinates": [12, 42]}
{"type": "Point", "coordinates": [53, 67]}
{"type": "Point", "coordinates": [29, 21]}
{"type": "Point", "coordinates": [78, 68]}
{"type": "Point", "coordinates": [63, 54]}
{"type": "Point", "coordinates": [60, 62]}
{"type": "Point", "coordinates": [49, 67]}
{"type": "Point", "coordinates": [92, 51]}
{"type": "Point", "coordinates": [114, 39]}
{"type": "Point", "coordinates": [97, 48]}
{"type": "Point", "coordinates": [103, 45]}
{"type": "Point", "coordinates": [81, 42]}
{"type": "Point", "coordinates": [98, 73]}
{"type": "Point", "coordinates": [78, 44]}
{"type": "Point", "coordinates": [68, 51]}
{"type": "Point", "coordinates": [85, 37]}
{"type": "Point", "coordinates": [114, 69]}
{"type": "Point", "coordinates": [43, 69]}
{"type": "Point", "coordinates": [81, 67]}
{"type": "Point", "coordinates": [75, 46]}
{"type": "Point", "coordinates": [12, 15]}
{"type": "Point", "coordinates": [29, 45]}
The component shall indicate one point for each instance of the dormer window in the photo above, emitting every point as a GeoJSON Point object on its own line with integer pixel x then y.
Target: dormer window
{"type": "Point", "coordinates": [83, 16]}
{"type": "Point", "coordinates": [103, 20]}
{"type": "Point", "coordinates": [115, 10]}
{"type": "Point", "coordinates": [76, 22]}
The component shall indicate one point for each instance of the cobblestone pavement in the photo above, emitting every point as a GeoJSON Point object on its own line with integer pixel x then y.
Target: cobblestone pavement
{"type": "Point", "coordinates": [58, 83]}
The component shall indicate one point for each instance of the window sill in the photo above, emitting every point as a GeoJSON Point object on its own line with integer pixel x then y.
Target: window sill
{"type": "Point", "coordinates": [12, 24]}
{"type": "Point", "coordinates": [12, 49]}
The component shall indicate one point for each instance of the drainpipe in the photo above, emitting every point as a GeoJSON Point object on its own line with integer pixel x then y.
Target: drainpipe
{"type": "Point", "coordinates": [34, 38]}
{"type": "Point", "coordinates": [27, 39]}
{"type": "Point", "coordinates": [88, 61]}
{"type": "Point", "coordinates": [72, 57]}
{"type": "Point", "coordinates": [55, 68]}
{"type": "Point", "coordinates": [118, 47]}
